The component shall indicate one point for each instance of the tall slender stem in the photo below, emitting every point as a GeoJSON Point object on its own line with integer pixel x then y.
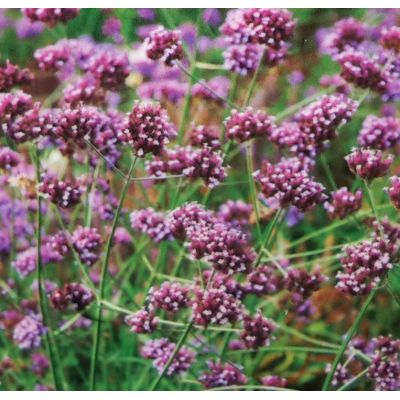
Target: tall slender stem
{"type": "Point", "coordinates": [49, 338]}
{"type": "Point", "coordinates": [347, 339]}
{"type": "Point", "coordinates": [104, 272]}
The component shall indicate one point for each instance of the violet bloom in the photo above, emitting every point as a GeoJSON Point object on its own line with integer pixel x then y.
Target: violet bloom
{"type": "Point", "coordinates": [289, 183]}
{"type": "Point", "coordinates": [211, 16]}
{"type": "Point", "coordinates": [337, 82]}
{"type": "Point", "coordinates": [368, 164]}
{"type": "Point", "coordinates": [28, 332]}
{"type": "Point", "coordinates": [40, 364]}
{"type": "Point", "coordinates": [221, 375]}
{"type": "Point", "coordinates": [379, 133]}
{"type": "Point", "coordinates": [12, 75]}
{"type": "Point", "coordinates": [160, 350]}
{"type": "Point", "coordinates": [343, 203]}
{"type": "Point", "coordinates": [112, 27]}
{"type": "Point", "coordinates": [274, 381]}
{"type": "Point", "coordinates": [384, 369]}
{"type": "Point", "coordinates": [257, 331]}
{"type": "Point", "coordinates": [235, 213]}
{"type": "Point", "coordinates": [50, 16]}
{"type": "Point", "coordinates": [341, 376]}
{"type": "Point", "coordinates": [390, 39]}
{"type": "Point", "coordinates": [142, 321]}
{"type": "Point", "coordinates": [164, 89]}
{"type": "Point", "coordinates": [74, 294]}
{"type": "Point", "coordinates": [25, 262]}
{"type": "Point", "coordinates": [362, 71]}
{"type": "Point", "coordinates": [25, 28]}
{"type": "Point", "coordinates": [54, 57]}
{"type": "Point", "coordinates": [248, 124]}
{"type": "Point", "coordinates": [8, 158]}
{"type": "Point", "coordinates": [242, 59]}
{"type": "Point", "coordinates": [146, 13]}
{"type": "Point", "coordinates": [164, 45]}
{"type": "Point", "coordinates": [170, 297]}
{"type": "Point", "coordinates": [64, 194]}
{"type": "Point", "coordinates": [216, 306]}
{"type": "Point", "coordinates": [394, 191]}
{"type": "Point", "coordinates": [264, 280]}
{"type": "Point", "coordinates": [364, 265]}
{"type": "Point", "coordinates": [204, 135]}
{"type": "Point", "coordinates": [151, 223]}
{"type": "Point", "coordinates": [86, 90]}
{"type": "Point", "coordinates": [87, 243]}
{"type": "Point", "coordinates": [223, 282]}
{"type": "Point", "coordinates": [14, 104]}
{"type": "Point", "coordinates": [149, 129]}
{"type": "Point", "coordinates": [110, 68]}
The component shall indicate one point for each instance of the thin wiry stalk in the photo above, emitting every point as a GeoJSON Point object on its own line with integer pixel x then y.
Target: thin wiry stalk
{"type": "Point", "coordinates": [347, 339]}
{"type": "Point", "coordinates": [104, 273]}
{"type": "Point", "coordinates": [55, 364]}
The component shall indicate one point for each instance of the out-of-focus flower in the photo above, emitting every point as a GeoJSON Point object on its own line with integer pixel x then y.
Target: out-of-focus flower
{"type": "Point", "coordinates": [50, 16]}
{"type": "Point", "coordinates": [25, 28]}
{"type": "Point", "coordinates": [211, 16]}
{"type": "Point", "coordinates": [87, 243]}
{"type": "Point", "coordinates": [112, 27]}
{"type": "Point", "coordinates": [274, 381]}
{"type": "Point", "coordinates": [394, 191]}
{"type": "Point", "coordinates": [215, 89]}
{"type": "Point", "coordinates": [264, 280]}
{"type": "Point", "coordinates": [390, 39]}
{"type": "Point", "coordinates": [74, 294]}
{"type": "Point", "coordinates": [28, 332]}
{"type": "Point", "coordinates": [40, 364]}
{"type": "Point", "coordinates": [379, 133]}
{"type": "Point", "coordinates": [242, 59]}
{"type": "Point", "coordinates": [236, 213]}
{"type": "Point", "coordinates": [221, 375]}
{"type": "Point", "coordinates": [151, 223]}
{"type": "Point", "coordinates": [12, 75]}
{"type": "Point", "coordinates": [201, 135]}
{"type": "Point", "coordinates": [8, 158]}
{"type": "Point", "coordinates": [142, 321]}
{"type": "Point", "coordinates": [343, 203]}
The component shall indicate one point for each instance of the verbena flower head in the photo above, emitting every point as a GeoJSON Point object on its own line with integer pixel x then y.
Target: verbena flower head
{"type": "Point", "coordinates": [162, 89]}
{"type": "Point", "coordinates": [390, 39]}
{"type": "Point", "coordinates": [343, 203]}
{"type": "Point", "coordinates": [289, 183]}
{"type": "Point", "coordinates": [368, 164]}
{"type": "Point", "coordinates": [274, 381]}
{"type": "Point", "coordinates": [341, 375]}
{"type": "Point", "coordinates": [12, 75]}
{"type": "Point", "coordinates": [50, 16]}
{"type": "Point", "coordinates": [87, 243]}
{"type": "Point", "coordinates": [110, 68]}
{"type": "Point", "coordinates": [224, 247]}
{"type": "Point", "coordinates": [215, 306]}
{"type": "Point", "coordinates": [8, 158]}
{"type": "Point", "coordinates": [40, 364]}
{"type": "Point", "coordinates": [221, 375]}
{"type": "Point", "coordinates": [142, 321]}
{"type": "Point", "coordinates": [379, 133]}
{"type": "Point", "coordinates": [264, 280]}
{"type": "Point", "coordinates": [62, 193]}
{"type": "Point", "coordinates": [200, 135]}
{"type": "Point", "coordinates": [84, 90]}
{"type": "Point", "coordinates": [170, 296]}
{"type": "Point", "coordinates": [164, 45]}
{"type": "Point", "coordinates": [394, 191]}
{"type": "Point", "coordinates": [25, 262]}
{"type": "Point", "coordinates": [160, 350]}
{"type": "Point", "coordinates": [28, 332]}
{"type": "Point", "coordinates": [150, 222]}
{"type": "Point", "coordinates": [269, 26]}
{"type": "Point", "coordinates": [364, 264]}
{"type": "Point", "coordinates": [248, 124]}
{"type": "Point", "coordinates": [149, 128]}
{"type": "Point", "coordinates": [71, 294]}
{"type": "Point", "coordinates": [235, 213]}
{"type": "Point", "coordinates": [362, 71]}
{"type": "Point", "coordinates": [257, 331]}
{"type": "Point", "coordinates": [54, 57]}
{"type": "Point", "coordinates": [242, 59]}
{"type": "Point", "coordinates": [14, 104]}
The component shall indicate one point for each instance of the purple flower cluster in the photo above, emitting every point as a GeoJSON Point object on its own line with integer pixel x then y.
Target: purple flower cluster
{"type": "Point", "coordinates": [364, 264]}
{"type": "Point", "coordinates": [164, 45]}
{"type": "Point", "coordinates": [170, 297]}
{"type": "Point", "coordinates": [142, 321]}
{"type": "Point", "coordinates": [390, 39]}
{"type": "Point", "coordinates": [149, 129]}
{"type": "Point", "coordinates": [394, 191]}
{"type": "Point", "coordinates": [221, 375]}
{"type": "Point", "coordinates": [274, 381]}
{"type": "Point", "coordinates": [28, 332]}
{"type": "Point", "coordinates": [248, 124]}
{"type": "Point", "coordinates": [87, 243]}
{"type": "Point", "coordinates": [368, 164]}
{"type": "Point", "coordinates": [235, 213]}
{"type": "Point", "coordinates": [264, 280]}
{"type": "Point", "coordinates": [289, 183]}
{"type": "Point", "coordinates": [204, 135]}
{"type": "Point", "coordinates": [160, 351]}
{"type": "Point", "coordinates": [343, 203]}
{"type": "Point", "coordinates": [242, 59]}
{"type": "Point", "coordinates": [40, 364]}
{"type": "Point", "coordinates": [257, 331]}
{"type": "Point", "coordinates": [384, 369]}
{"type": "Point", "coordinates": [8, 158]}
{"type": "Point", "coordinates": [150, 222]}
{"type": "Point", "coordinates": [64, 194]}
{"type": "Point", "coordinates": [380, 133]}
{"type": "Point", "coordinates": [12, 75]}
{"type": "Point", "coordinates": [74, 294]}
{"type": "Point", "coordinates": [50, 16]}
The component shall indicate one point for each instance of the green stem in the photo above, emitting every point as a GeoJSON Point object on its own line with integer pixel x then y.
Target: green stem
{"type": "Point", "coordinates": [254, 79]}
{"type": "Point", "coordinates": [347, 339]}
{"type": "Point", "coordinates": [49, 336]}
{"type": "Point", "coordinates": [353, 380]}
{"type": "Point", "coordinates": [104, 272]}
{"type": "Point", "coordinates": [371, 200]}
